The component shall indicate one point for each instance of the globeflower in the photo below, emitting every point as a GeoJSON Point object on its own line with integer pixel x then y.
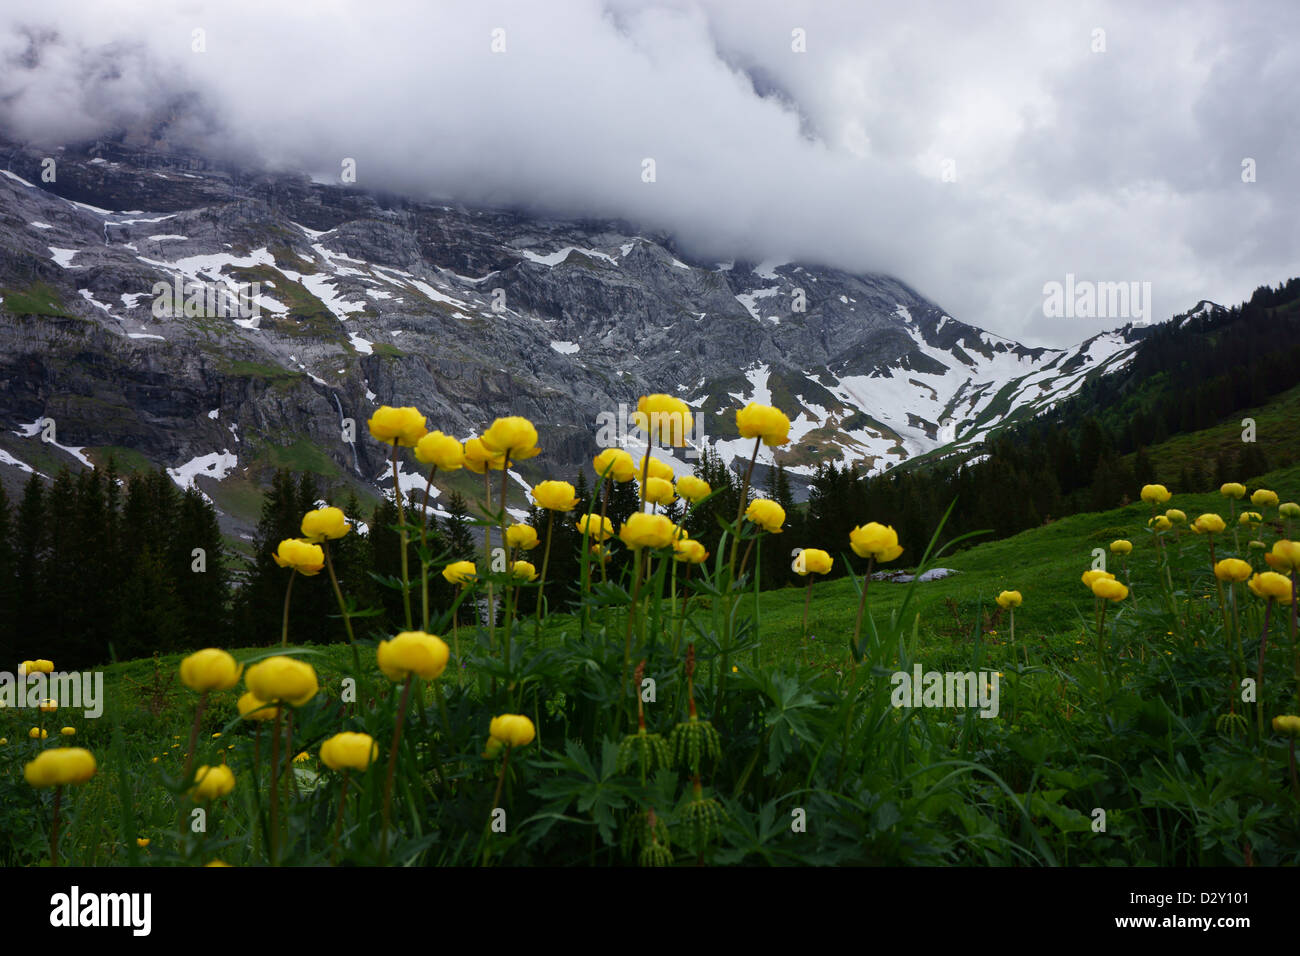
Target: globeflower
{"type": "Point", "coordinates": [60, 766]}
{"type": "Point", "coordinates": [282, 680]}
{"type": "Point", "coordinates": [689, 551]}
{"type": "Point", "coordinates": [657, 469]}
{"type": "Point", "coordinates": [397, 426]}
{"type": "Point", "coordinates": [1009, 599]}
{"type": "Point", "coordinates": [616, 464]}
{"type": "Point", "coordinates": [663, 417]}
{"type": "Point", "coordinates": [514, 437]}
{"type": "Point", "coordinates": [514, 730]}
{"type": "Point", "coordinates": [69, 731]}
{"type": "Point", "coordinates": [693, 489]}
{"type": "Point", "coordinates": [524, 571]}
{"type": "Point", "coordinates": [1155, 494]}
{"type": "Point", "coordinates": [555, 496]}
{"type": "Point", "coordinates": [1250, 519]}
{"type": "Point", "coordinates": [253, 708]}
{"type": "Point", "coordinates": [460, 572]}
{"type": "Point", "coordinates": [209, 669]}
{"type": "Point", "coordinates": [349, 751]}
{"type": "Point", "coordinates": [764, 422]}
{"type": "Point", "coordinates": [1095, 575]}
{"type": "Point", "coordinates": [1108, 589]}
{"type": "Point", "coordinates": [1289, 510]}
{"type": "Point", "coordinates": [659, 492]}
{"type": "Point", "coordinates": [1121, 547]}
{"type": "Point", "coordinates": [413, 652]}
{"type": "Point", "coordinates": [1176, 516]}
{"type": "Point", "coordinates": [305, 558]}
{"type": "Point", "coordinates": [1263, 498]}
{"type": "Point", "coordinates": [38, 733]}
{"type": "Point", "coordinates": [479, 458]}
{"type": "Point", "coordinates": [767, 514]}
{"type": "Point", "coordinates": [324, 523]}
{"type": "Point", "coordinates": [874, 540]}
{"type": "Point", "coordinates": [212, 783]}
{"type": "Point", "coordinates": [440, 451]}
{"type": "Point", "coordinates": [1233, 489]}
{"type": "Point", "coordinates": [1232, 569]}
{"type": "Point", "coordinates": [1209, 524]}
{"type": "Point", "coordinates": [813, 561]}
{"type": "Point", "coordinates": [1287, 724]}
{"type": "Point", "coordinates": [49, 705]}
{"type": "Point", "coordinates": [595, 527]}
{"type": "Point", "coordinates": [1160, 523]}
{"type": "Point", "coordinates": [1270, 584]}
{"type": "Point", "coordinates": [643, 530]}
{"type": "Point", "coordinates": [522, 536]}
{"type": "Point", "coordinates": [1285, 556]}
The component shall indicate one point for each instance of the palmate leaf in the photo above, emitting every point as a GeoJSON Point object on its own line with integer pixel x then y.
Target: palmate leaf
{"type": "Point", "coordinates": [578, 783]}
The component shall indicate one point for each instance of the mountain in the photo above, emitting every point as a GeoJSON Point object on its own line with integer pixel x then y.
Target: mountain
{"type": "Point", "coordinates": [367, 299]}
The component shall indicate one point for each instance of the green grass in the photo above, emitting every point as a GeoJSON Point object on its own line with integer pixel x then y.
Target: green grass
{"type": "Point", "coordinates": [39, 298]}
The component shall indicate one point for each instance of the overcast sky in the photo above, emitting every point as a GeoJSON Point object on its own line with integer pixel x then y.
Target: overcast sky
{"type": "Point", "coordinates": [975, 150]}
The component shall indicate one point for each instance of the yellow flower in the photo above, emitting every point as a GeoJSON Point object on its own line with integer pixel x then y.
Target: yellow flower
{"type": "Point", "coordinates": [441, 451]}
{"type": "Point", "coordinates": [215, 863]}
{"type": "Point", "coordinates": [689, 551]}
{"type": "Point", "coordinates": [49, 705]}
{"type": "Point", "coordinates": [873, 540]}
{"type": "Point", "coordinates": [460, 572]}
{"type": "Point", "coordinates": [324, 523]}
{"type": "Point", "coordinates": [69, 731]}
{"type": "Point", "coordinates": [1233, 489]}
{"type": "Point", "coordinates": [251, 707]}
{"type": "Point", "coordinates": [1108, 589]}
{"type": "Point", "coordinates": [63, 765]}
{"type": "Point", "coordinates": [600, 552]}
{"type": "Point", "coordinates": [302, 757]}
{"type": "Point", "coordinates": [1270, 584]}
{"type": "Point", "coordinates": [413, 652]}
{"type": "Point", "coordinates": [643, 530]}
{"type": "Point", "coordinates": [1160, 523]}
{"type": "Point", "coordinates": [595, 527]}
{"type": "Point", "coordinates": [765, 422]}
{"type": "Point", "coordinates": [1285, 556]}
{"type": "Point", "coordinates": [39, 667]}
{"type": "Point", "coordinates": [1232, 569]}
{"type": "Point", "coordinates": [615, 464]}
{"type": "Point", "coordinates": [1008, 599]}
{"type": "Point", "coordinates": [210, 669]}
{"type": "Point", "coordinates": [1155, 494]}
{"type": "Point", "coordinates": [657, 469]}
{"type": "Point", "coordinates": [36, 733]}
{"type": "Point", "coordinates": [524, 571]}
{"type": "Point", "coordinates": [142, 842]}
{"type": "Point", "coordinates": [479, 458]}
{"type": "Point", "coordinates": [514, 437]}
{"type": "Point", "coordinates": [401, 426]}
{"type": "Point", "coordinates": [1288, 724]}
{"type": "Point", "coordinates": [693, 489]}
{"type": "Point", "coordinates": [1289, 510]}
{"type": "Point", "coordinates": [659, 492]}
{"type": "Point", "coordinates": [555, 496]}
{"type": "Point", "coordinates": [304, 557]}
{"type": "Point", "coordinates": [1256, 545]}
{"type": "Point", "coordinates": [349, 751]}
{"type": "Point", "coordinates": [5, 740]}
{"type": "Point", "coordinates": [812, 561]}
{"type": "Point", "coordinates": [522, 536]}
{"type": "Point", "coordinates": [1095, 575]}
{"type": "Point", "coordinates": [662, 416]}
{"type": "Point", "coordinates": [1121, 546]}
{"type": "Point", "coordinates": [767, 514]}
{"type": "Point", "coordinates": [513, 729]}
{"type": "Point", "coordinates": [1250, 518]}
{"type": "Point", "coordinates": [1176, 516]}
{"type": "Point", "coordinates": [1209, 524]}
{"type": "Point", "coordinates": [1263, 498]}
{"type": "Point", "coordinates": [282, 680]}
{"type": "Point", "coordinates": [212, 783]}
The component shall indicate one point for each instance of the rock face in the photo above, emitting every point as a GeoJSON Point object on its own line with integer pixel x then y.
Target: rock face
{"type": "Point", "coordinates": [467, 314]}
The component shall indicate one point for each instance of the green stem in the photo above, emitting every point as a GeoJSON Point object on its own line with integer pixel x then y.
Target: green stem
{"type": "Point", "coordinates": [392, 765]}
{"type": "Point", "coordinates": [284, 628]}
{"type": "Point", "coordinates": [401, 526]}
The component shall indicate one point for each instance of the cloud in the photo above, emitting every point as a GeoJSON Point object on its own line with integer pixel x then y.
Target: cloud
{"type": "Point", "coordinates": [1117, 165]}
